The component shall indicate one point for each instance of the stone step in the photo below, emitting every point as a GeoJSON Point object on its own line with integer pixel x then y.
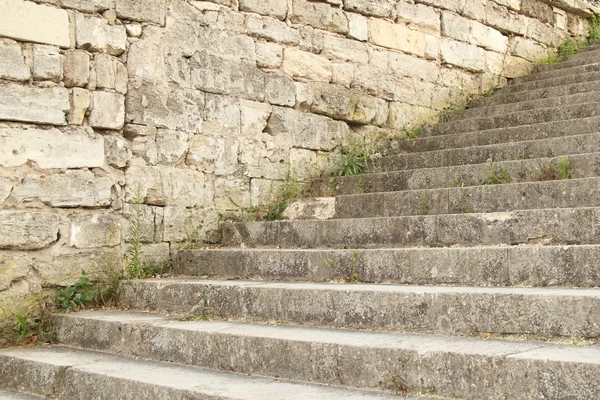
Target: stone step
{"type": "Point", "coordinates": [500, 135]}
{"type": "Point", "coordinates": [69, 373]}
{"type": "Point", "coordinates": [567, 63]}
{"type": "Point", "coordinates": [550, 226]}
{"type": "Point", "coordinates": [563, 89]}
{"type": "Point", "coordinates": [538, 266]}
{"type": "Point", "coordinates": [529, 117]}
{"type": "Point", "coordinates": [13, 395]}
{"type": "Point", "coordinates": [581, 166]}
{"type": "Point", "coordinates": [551, 147]}
{"type": "Point", "coordinates": [552, 82]}
{"type": "Point", "coordinates": [569, 193]}
{"type": "Point", "coordinates": [590, 52]}
{"type": "Point", "coordinates": [563, 72]}
{"type": "Point", "coordinates": [500, 109]}
{"type": "Point", "coordinates": [440, 309]}
{"type": "Point", "coordinates": [434, 364]}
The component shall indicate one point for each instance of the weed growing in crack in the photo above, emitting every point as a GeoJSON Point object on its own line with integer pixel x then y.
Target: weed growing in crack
{"type": "Point", "coordinates": [496, 175]}
{"type": "Point", "coordinates": [31, 330]}
{"type": "Point", "coordinates": [463, 206]}
{"type": "Point", "coordinates": [393, 381]}
{"type": "Point", "coordinates": [547, 171]}
{"type": "Point", "coordinates": [564, 168]}
{"type": "Point", "coordinates": [344, 273]}
{"type": "Point", "coordinates": [75, 297]}
{"type": "Point", "coordinates": [447, 112]}
{"type": "Point", "coordinates": [568, 48]}
{"type": "Point", "coordinates": [414, 132]}
{"type": "Point", "coordinates": [594, 28]}
{"type": "Point", "coordinates": [133, 261]}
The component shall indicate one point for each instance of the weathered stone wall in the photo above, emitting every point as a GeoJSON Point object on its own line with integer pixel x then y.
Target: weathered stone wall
{"type": "Point", "coordinates": [202, 105]}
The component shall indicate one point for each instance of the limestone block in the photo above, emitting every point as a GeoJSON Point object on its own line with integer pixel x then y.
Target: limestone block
{"type": "Point", "coordinates": [336, 48]}
{"type": "Point", "coordinates": [349, 105]}
{"type": "Point", "coordinates": [156, 252]}
{"type": "Point", "coordinates": [166, 106]}
{"type": "Point", "coordinates": [527, 49]}
{"type": "Point", "coordinates": [12, 63]}
{"type": "Point", "coordinates": [272, 29]}
{"type": "Point", "coordinates": [95, 34]}
{"type": "Point", "coordinates": [110, 73]}
{"type": "Point", "coordinates": [395, 36]}
{"type": "Point", "coordinates": [146, 148]}
{"type": "Point", "coordinates": [375, 8]}
{"type": "Point", "coordinates": [343, 74]}
{"type": "Point", "coordinates": [308, 131]}
{"type": "Point", "coordinates": [164, 186]}
{"type": "Point", "coordinates": [65, 269]}
{"type": "Point", "coordinates": [375, 82]}
{"type": "Point", "coordinates": [133, 30]}
{"type": "Point", "coordinates": [117, 151]}
{"type": "Point", "coordinates": [538, 10]}
{"type": "Point", "coordinates": [107, 110]}
{"type": "Point", "coordinates": [146, 59]}
{"type": "Point", "coordinates": [34, 104]}
{"type": "Point", "coordinates": [418, 16]}
{"type": "Point", "coordinates": [280, 90]}
{"type": "Point", "coordinates": [73, 148]}
{"type": "Point", "coordinates": [80, 103]}
{"type": "Point", "coordinates": [142, 10]}
{"type": "Point", "coordinates": [236, 48]}
{"type": "Point", "coordinates": [502, 19]}
{"type": "Point", "coordinates": [313, 208]}
{"type": "Point", "coordinates": [475, 9]}
{"type": "Point", "coordinates": [272, 8]}
{"type": "Point", "coordinates": [264, 191]}
{"type": "Point", "coordinates": [214, 154]}
{"type": "Point", "coordinates": [319, 15]}
{"type": "Point", "coordinates": [515, 67]}
{"type": "Point", "coordinates": [93, 6]}
{"type": "Point", "coordinates": [463, 55]}
{"type": "Point", "coordinates": [181, 225]}
{"type": "Point", "coordinates": [302, 64]}
{"type": "Point", "coordinates": [13, 268]}
{"type": "Point", "coordinates": [494, 62]}
{"type": "Point", "coordinates": [456, 27]}
{"type": "Point", "coordinates": [512, 4]}
{"type": "Point", "coordinates": [77, 68]}
{"type": "Point", "coordinates": [488, 38]}
{"type": "Point", "coordinates": [452, 5]}
{"type": "Point", "coordinates": [95, 230]}
{"type": "Point", "coordinates": [409, 66]}
{"type": "Point", "coordinates": [74, 188]}
{"type": "Point", "coordinates": [222, 115]}
{"type": "Point", "coordinates": [304, 163]}
{"type": "Point", "coordinates": [404, 115]}
{"type": "Point", "coordinates": [30, 22]}
{"type": "Point", "coordinates": [47, 63]}
{"type": "Point", "coordinates": [5, 188]}
{"type": "Point", "coordinates": [542, 33]}
{"type": "Point", "coordinates": [22, 230]}
{"type": "Point", "coordinates": [232, 193]}
{"type": "Point", "coordinates": [269, 55]}
{"type": "Point", "coordinates": [358, 27]}
{"type": "Point", "coordinates": [171, 146]}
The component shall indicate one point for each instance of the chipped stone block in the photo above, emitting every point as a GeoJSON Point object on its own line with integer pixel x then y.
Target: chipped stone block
{"type": "Point", "coordinates": [272, 8]}
{"type": "Point", "coordinates": [214, 154]}
{"type": "Point", "coordinates": [74, 188]}
{"type": "Point", "coordinates": [95, 230]}
{"type": "Point", "coordinates": [272, 29]}
{"type": "Point", "coordinates": [12, 63]}
{"type": "Point", "coordinates": [47, 63]}
{"type": "Point", "coordinates": [375, 8]}
{"type": "Point", "coordinates": [418, 16]}
{"type": "Point", "coordinates": [52, 148]}
{"type": "Point", "coordinates": [30, 22]}
{"type": "Point", "coordinates": [80, 103]}
{"type": "Point", "coordinates": [117, 151]}
{"type": "Point", "coordinates": [232, 193]}
{"type": "Point", "coordinates": [463, 55]}
{"type": "Point", "coordinates": [190, 225]}
{"type": "Point", "coordinates": [13, 268]}
{"type": "Point", "coordinates": [358, 27]}
{"type": "Point", "coordinates": [319, 15]}
{"type": "Point", "coordinates": [164, 186]}
{"type": "Point", "coordinates": [77, 68]}
{"type": "Point", "coordinates": [280, 90]}
{"type": "Point", "coordinates": [302, 64]}
{"type": "Point", "coordinates": [107, 110]}
{"type": "Point", "coordinates": [336, 48]}
{"type": "Point", "coordinates": [23, 230]}
{"type": "Point", "coordinates": [171, 146]}
{"type": "Point", "coordinates": [396, 36]}
{"type": "Point", "coordinates": [142, 10]}
{"type": "Point", "coordinates": [34, 104]}
{"type": "Point", "coordinates": [99, 264]}
{"type": "Point", "coordinates": [269, 55]}
{"type": "Point", "coordinates": [95, 34]}
{"type": "Point", "coordinates": [6, 186]}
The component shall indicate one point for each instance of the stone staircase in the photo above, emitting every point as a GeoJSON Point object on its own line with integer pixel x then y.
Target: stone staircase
{"type": "Point", "coordinates": [453, 288]}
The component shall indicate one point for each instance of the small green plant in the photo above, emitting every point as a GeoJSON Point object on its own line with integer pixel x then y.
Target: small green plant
{"type": "Point", "coordinates": [447, 112]}
{"type": "Point", "coordinates": [342, 273]}
{"type": "Point", "coordinates": [394, 382]}
{"type": "Point", "coordinates": [547, 171]}
{"type": "Point", "coordinates": [564, 168]}
{"type": "Point", "coordinates": [594, 28]}
{"type": "Point", "coordinates": [275, 211]}
{"type": "Point", "coordinates": [31, 330]}
{"type": "Point", "coordinates": [569, 47]}
{"type": "Point", "coordinates": [349, 164]}
{"type": "Point", "coordinates": [496, 175]}
{"type": "Point", "coordinates": [458, 182]}
{"type": "Point", "coordinates": [491, 91]}
{"type": "Point", "coordinates": [463, 206]}
{"type": "Point", "coordinates": [106, 293]}
{"type": "Point", "coordinates": [22, 327]}
{"type": "Point", "coordinates": [424, 203]}
{"type": "Point", "coordinates": [414, 132]}
{"type": "Point", "coordinates": [549, 60]}
{"type": "Point", "coordinates": [134, 264]}
{"type": "Point", "coordinates": [75, 297]}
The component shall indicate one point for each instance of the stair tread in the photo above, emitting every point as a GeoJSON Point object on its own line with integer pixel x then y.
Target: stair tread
{"type": "Point", "coordinates": [177, 378]}
{"type": "Point", "coordinates": [12, 395]}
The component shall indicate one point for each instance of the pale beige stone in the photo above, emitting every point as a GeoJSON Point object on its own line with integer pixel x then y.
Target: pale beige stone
{"type": "Point", "coordinates": [80, 103]}
{"type": "Point", "coordinates": [269, 55]}
{"type": "Point", "coordinates": [452, 5]}
{"type": "Point", "coordinates": [515, 67]}
{"type": "Point", "coordinates": [313, 208]}
{"type": "Point", "coordinates": [74, 188]}
{"type": "Point", "coordinates": [6, 187]}
{"type": "Point", "coordinates": [107, 110]}
{"type": "Point", "coordinates": [488, 38]}
{"type": "Point", "coordinates": [171, 146]}
{"type": "Point", "coordinates": [418, 16]}
{"type": "Point", "coordinates": [23, 230]}
{"type": "Point", "coordinates": [90, 6]}
{"type": "Point", "coordinates": [117, 151]}
{"type": "Point", "coordinates": [272, 8]}
{"type": "Point", "coordinates": [527, 49]}
{"type": "Point", "coordinates": [142, 10]}
{"type": "Point", "coordinates": [319, 15]}
{"type": "Point", "coordinates": [77, 68]}
{"type": "Point", "coordinates": [12, 63]}
{"type": "Point", "coordinates": [99, 264]}
{"type": "Point", "coordinates": [396, 36]}
{"type": "Point", "coordinates": [463, 55]}
{"type": "Point", "coordinates": [27, 21]}
{"type": "Point", "coordinates": [13, 268]}
{"type": "Point", "coordinates": [358, 27]}
{"type": "Point", "coordinates": [339, 49]}
{"type": "Point", "coordinates": [190, 225]}
{"type": "Point", "coordinates": [95, 230]}
{"type": "Point", "coordinates": [74, 148]}
{"type": "Point", "coordinates": [47, 63]}
{"type": "Point", "coordinates": [302, 64]}
{"type": "Point", "coordinates": [272, 29]}
{"type": "Point", "coordinates": [343, 74]}
{"type": "Point", "coordinates": [34, 104]}
{"type": "Point", "coordinates": [95, 34]}
{"type": "Point", "coordinates": [264, 191]}
{"type": "Point", "coordinates": [134, 30]}
{"type": "Point", "coordinates": [501, 18]}
{"type": "Point", "coordinates": [376, 8]}
{"type": "Point", "coordinates": [232, 193]}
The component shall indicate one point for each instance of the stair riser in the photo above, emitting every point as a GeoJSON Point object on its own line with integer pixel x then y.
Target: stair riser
{"type": "Point", "coordinates": [536, 266]}
{"type": "Point", "coordinates": [582, 69]}
{"type": "Point", "coordinates": [582, 166]}
{"type": "Point", "coordinates": [339, 364]}
{"type": "Point", "coordinates": [560, 226]}
{"type": "Point", "coordinates": [504, 97]}
{"type": "Point", "coordinates": [503, 135]}
{"type": "Point", "coordinates": [439, 312]}
{"type": "Point", "coordinates": [552, 82]}
{"type": "Point", "coordinates": [502, 109]}
{"type": "Point", "coordinates": [552, 147]}
{"type": "Point", "coordinates": [472, 199]}
{"type": "Point", "coordinates": [516, 119]}
{"type": "Point", "coordinates": [569, 63]}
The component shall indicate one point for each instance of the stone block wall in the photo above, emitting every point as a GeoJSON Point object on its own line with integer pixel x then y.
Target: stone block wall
{"type": "Point", "coordinates": [200, 106]}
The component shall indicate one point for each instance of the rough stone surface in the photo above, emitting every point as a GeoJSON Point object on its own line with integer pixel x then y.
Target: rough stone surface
{"type": "Point", "coordinates": [107, 110]}
{"type": "Point", "coordinates": [94, 230]}
{"type": "Point", "coordinates": [27, 21]}
{"type": "Point", "coordinates": [95, 34]}
{"type": "Point", "coordinates": [6, 187]}
{"type": "Point", "coordinates": [23, 230]}
{"type": "Point", "coordinates": [74, 188]}
{"type": "Point", "coordinates": [12, 63]}
{"type": "Point", "coordinates": [273, 8]}
{"type": "Point", "coordinates": [317, 208]}
{"type": "Point", "coordinates": [142, 10]}
{"type": "Point", "coordinates": [34, 104]}
{"type": "Point", "coordinates": [47, 63]}
{"type": "Point", "coordinates": [75, 148]}
{"type": "Point", "coordinates": [77, 68]}
{"type": "Point", "coordinates": [80, 103]}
